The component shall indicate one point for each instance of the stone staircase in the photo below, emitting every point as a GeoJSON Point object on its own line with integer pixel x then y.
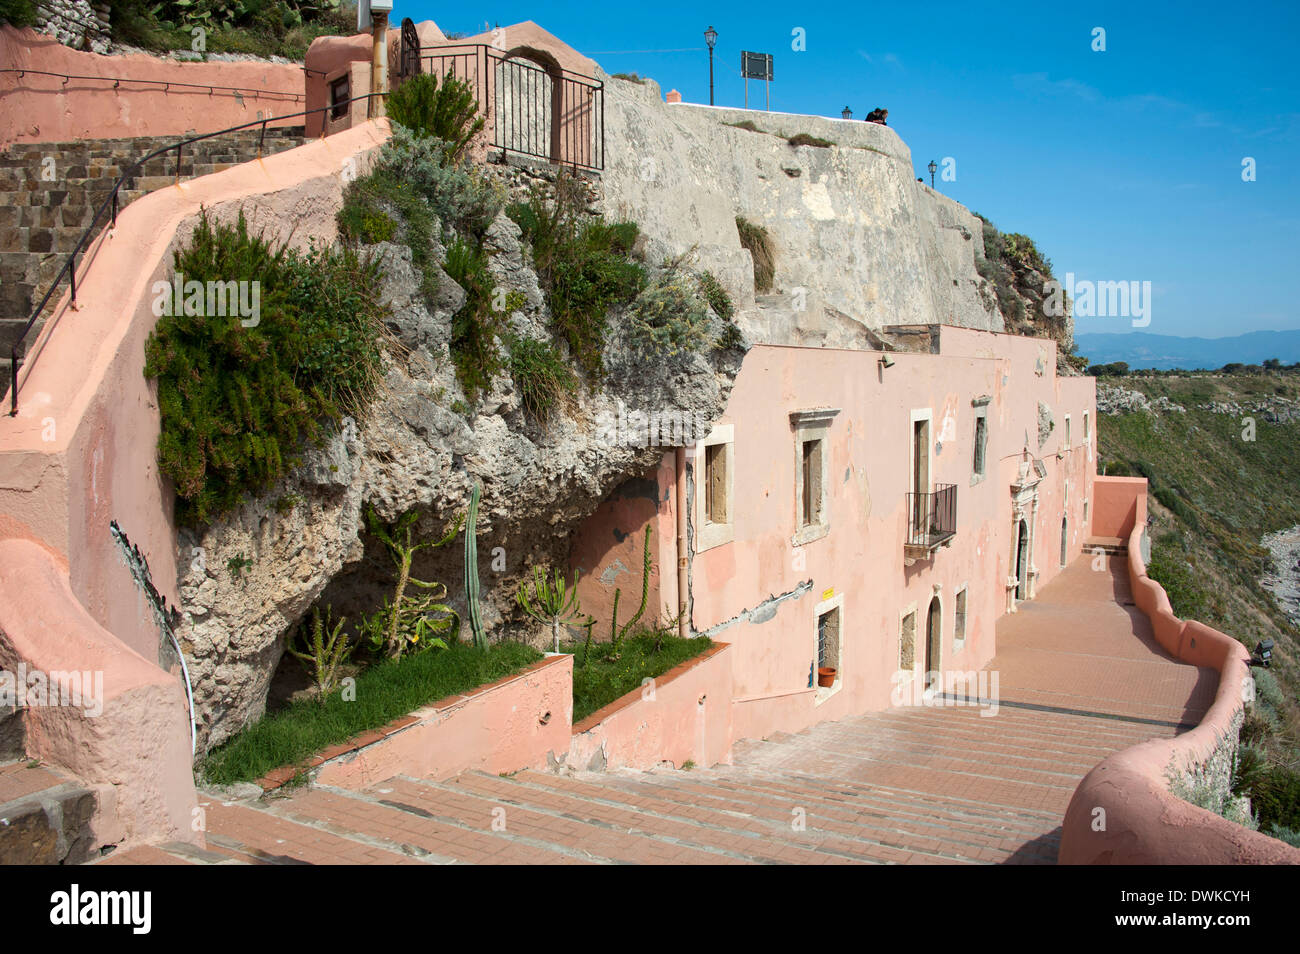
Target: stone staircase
{"type": "Point", "coordinates": [41, 219]}
{"type": "Point", "coordinates": [907, 786]}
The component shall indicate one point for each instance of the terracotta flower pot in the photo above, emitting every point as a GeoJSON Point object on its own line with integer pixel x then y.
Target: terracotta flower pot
{"type": "Point", "coordinates": [826, 677]}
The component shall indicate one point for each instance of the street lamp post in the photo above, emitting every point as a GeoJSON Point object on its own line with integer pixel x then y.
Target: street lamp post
{"type": "Point", "coordinates": [846, 113]}
{"type": "Point", "coordinates": [932, 167]}
{"type": "Point", "coordinates": [710, 37]}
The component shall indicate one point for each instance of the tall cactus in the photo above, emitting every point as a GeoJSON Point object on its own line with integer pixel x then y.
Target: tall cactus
{"type": "Point", "coordinates": [471, 572]}
{"type": "Point", "coordinates": [617, 633]}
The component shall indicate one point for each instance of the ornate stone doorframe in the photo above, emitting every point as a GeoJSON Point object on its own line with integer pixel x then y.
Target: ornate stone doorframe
{"type": "Point", "coordinates": [1024, 506]}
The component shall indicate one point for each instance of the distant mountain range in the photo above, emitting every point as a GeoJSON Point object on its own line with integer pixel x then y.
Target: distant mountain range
{"type": "Point", "coordinates": [1167, 352]}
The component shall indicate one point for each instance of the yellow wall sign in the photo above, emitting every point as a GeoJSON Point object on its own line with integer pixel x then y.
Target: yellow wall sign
{"type": "Point", "coordinates": [828, 593]}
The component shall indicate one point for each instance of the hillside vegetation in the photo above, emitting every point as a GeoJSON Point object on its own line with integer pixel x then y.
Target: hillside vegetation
{"type": "Point", "coordinates": [1220, 452]}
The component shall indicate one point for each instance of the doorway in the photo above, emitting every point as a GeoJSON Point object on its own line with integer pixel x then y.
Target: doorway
{"type": "Point", "coordinates": [1022, 561]}
{"type": "Point", "coordinates": [933, 636]}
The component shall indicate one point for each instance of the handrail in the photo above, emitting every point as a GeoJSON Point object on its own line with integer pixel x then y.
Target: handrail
{"type": "Point", "coordinates": [69, 266]}
{"type": "Point", "coordinates": [119, 80]}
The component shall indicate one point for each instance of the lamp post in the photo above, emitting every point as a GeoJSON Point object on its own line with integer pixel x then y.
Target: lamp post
{"type": "Point", "coordinates": [932, 167]}
{"type": "Point", "coordinates": [846, 113]}
{"type": "Point", "coordinates": [710, 37]}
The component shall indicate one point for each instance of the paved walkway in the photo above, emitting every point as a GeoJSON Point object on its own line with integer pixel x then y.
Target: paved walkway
{"type": "Point", "coordinates": [1080, 678]}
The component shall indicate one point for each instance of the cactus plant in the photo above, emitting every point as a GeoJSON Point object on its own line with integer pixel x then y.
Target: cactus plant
{"type": "Point", "coordinates": [394, 637]}
{"type": "Point", "coordinates": [471, 572]}
{"type": "Point", "coordinates": [551, 602]}
{"type": "Point", "coordinates": [616, 634]}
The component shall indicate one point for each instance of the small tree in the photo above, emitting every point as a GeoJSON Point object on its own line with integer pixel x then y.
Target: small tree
{"type": "Point", "coordinates": [446, 112]}
{"type": "Point", "coordinates": [551, 602]}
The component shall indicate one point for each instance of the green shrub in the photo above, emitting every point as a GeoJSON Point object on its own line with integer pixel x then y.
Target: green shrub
{"type": "Point", "coordinates": [447, 112]}
{"type": "Point", "coordinates": [459, 194]}
{"type": "Point", "coordinates": [474, 327]}
{"type": "Point", "coordinates": [19, 13]}
{"type": "Point", "coordinates": [1267, 689]}
{"type": "Point", "coordinates": [238, 402]}
{"type": "Point", "coordinates": [669, 317]}
{"type": "Point", "coordinates": [1169, 568]}
{"type": "Point", "coordinates": [1276, 797]}
{"type": "Point", "coordinates": [716, 296]}
{"type": "Point", "coordinates": [1290, 835]}
{"type": "Point", "coordinates": [585, 268]}
{"type": "Point", "coordinates": [631, 78]}
{"type": "Point", "coordinates": [804, 139]}
{"type": "Point", "coordinates": [755, 239]}
{"type": "Point", "coordinates": [1173, 502]}
{"type": "Point", "coordinates": [367, 217]}
{"type": "Point", "coordinates": [545, 381]}
{"type": "Point", "coordinates": [745, 124]}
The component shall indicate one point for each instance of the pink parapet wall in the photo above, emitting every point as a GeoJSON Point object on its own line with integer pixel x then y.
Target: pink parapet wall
{"type": "Point", "coordinates": [132, 745]}
{"type": "Point", "coordinates": [81, 456]}
{"type": "Point", "coordinates": [1123, 812]}
{"type": "Point", "coordinates": [520, 722]}
{"type": "Point", "coordinates": [115, 104]}
{"type": "Point", "coordinates": [682, 716]}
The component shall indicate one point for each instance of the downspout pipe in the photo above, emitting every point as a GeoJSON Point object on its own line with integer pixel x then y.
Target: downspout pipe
{"type": "Point", "coordinates": [683, 624]}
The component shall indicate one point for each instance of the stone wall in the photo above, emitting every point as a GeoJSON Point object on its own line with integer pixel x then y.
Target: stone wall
{"type": "Point", "coordinates": [859, 242]}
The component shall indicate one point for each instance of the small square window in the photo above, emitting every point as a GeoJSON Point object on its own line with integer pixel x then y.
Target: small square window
{"type": "Point", "coordinates": [340, 93]}
{"type": "Point", "coordinates": [811, 469]}
{"type": "Point", "coordinates": [907, 642]}
{"type": "Point", "coordinates": [714, 478]}
{"type": "Point", "coordinates": [981, 443]}
{"type": "Point", "coordinates": [716, 485]}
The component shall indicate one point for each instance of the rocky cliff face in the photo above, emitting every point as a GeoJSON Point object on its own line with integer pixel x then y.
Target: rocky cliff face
{"type": "Point", "coordinates": [859, 242]}
{"type": "Point", "coordinates": [305, 539]}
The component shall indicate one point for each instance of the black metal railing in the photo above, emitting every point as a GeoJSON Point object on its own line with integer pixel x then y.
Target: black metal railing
{"type": "Point", "coordinates": [109, 206]}
{"type": "Point", "coordinates": [533, 110]}
{"type": "Point", "coordinates": [932, 517]}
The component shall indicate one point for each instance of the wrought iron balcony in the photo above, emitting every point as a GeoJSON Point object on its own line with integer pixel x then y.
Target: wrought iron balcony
{"type": "Point", "coordinates": [931, 520]}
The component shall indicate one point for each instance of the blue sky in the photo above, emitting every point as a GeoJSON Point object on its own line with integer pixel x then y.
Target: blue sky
{"type": "Point", "coordinates": [1122, 165]}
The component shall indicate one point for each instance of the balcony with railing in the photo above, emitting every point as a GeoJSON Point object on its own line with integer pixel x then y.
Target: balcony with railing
{"type": "Point", "coordinates": [931, 521]}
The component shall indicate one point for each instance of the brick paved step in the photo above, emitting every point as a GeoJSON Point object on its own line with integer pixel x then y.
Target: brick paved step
{"type": "Point", "coordinates": [1021, 744]}
{"type": "Point", "coordinates": [170, 853]}
{"type": "Point", "coordinates": [386, 817]}
{"type": "Point", "coordinates": [843, 801]}
{"type": "Point", "coordinates": [537, 818]}
{"type": "Point", "coordinates": [734, 829]}
{"type": "Point", "coordinates": [858, 834]}
{"type": "Point", "coordinates": [257, 835]}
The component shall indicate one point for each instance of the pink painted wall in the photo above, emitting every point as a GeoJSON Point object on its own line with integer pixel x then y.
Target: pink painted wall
{"type": "Point", "coordinates": [82, 450]}
{"type": "Point", "coordinates": [510, 725]}
{"type": "Point", "coordinates": [862, 557]}
{"type": "Point", "coordinates": [1115, 506]}
{"type": "Point", "coordinates": [44, 109]}
{"type": "Point", "coordinates": [607, 551]}
{"type": "Point", "coordinates": [686, 715]}
{"type": "Point", "coordinates": [1143, 822]}
{"type": "Point", "coordinates": [135, 753]}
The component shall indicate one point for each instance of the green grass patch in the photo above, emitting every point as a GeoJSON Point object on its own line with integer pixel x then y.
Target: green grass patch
{"type": "Point", "coordinates": [600, 680]}
{"type": "Point", "coordinates": [755, 238]}
{"type": "Point", "coordinates": [384, 692]}
{"type": "Point", "coordinates": [544, 379]}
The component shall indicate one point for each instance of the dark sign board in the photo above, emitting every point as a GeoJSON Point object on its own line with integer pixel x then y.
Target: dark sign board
{"type": "Point", "coordinates": [756, 65]}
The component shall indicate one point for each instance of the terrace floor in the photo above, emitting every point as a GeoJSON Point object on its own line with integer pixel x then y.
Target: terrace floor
{"type": "Point", "coordinates": [1080, 678]}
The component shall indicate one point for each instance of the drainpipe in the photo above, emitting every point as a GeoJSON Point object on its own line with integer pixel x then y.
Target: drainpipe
{"type": "Point", "coordinates": [683, 624]}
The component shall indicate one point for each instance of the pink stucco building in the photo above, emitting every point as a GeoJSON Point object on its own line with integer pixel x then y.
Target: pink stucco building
{"type": "Point", "coordinates": [868, 512]}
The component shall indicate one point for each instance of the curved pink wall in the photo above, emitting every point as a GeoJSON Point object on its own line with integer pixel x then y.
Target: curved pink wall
{"type": "Point", "coordinates": [1127, 795]}
{"type": "Point", "coordinates": [82, 450]}
{"type": "Point", "coordinates": [45, 109]}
